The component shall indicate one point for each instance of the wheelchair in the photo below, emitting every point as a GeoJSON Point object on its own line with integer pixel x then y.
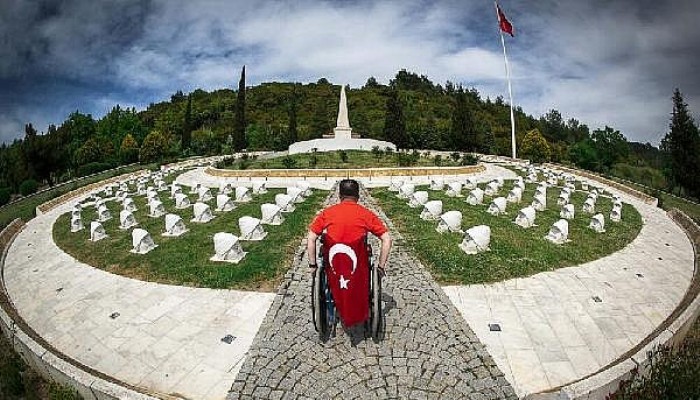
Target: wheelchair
{"type": "Point", "coordinates": [325, 316]}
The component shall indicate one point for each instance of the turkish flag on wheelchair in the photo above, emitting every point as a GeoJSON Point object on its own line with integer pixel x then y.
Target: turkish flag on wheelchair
{"type": "Point", "coordinates": [347, 268]}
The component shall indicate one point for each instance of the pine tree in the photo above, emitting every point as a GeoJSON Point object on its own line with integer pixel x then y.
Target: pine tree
{"type": "Point", "coordinates": [463, 132]}
{"type": "Point", "coordinates": [682, 143]}
{"type": "Point", "coordinates": [239, 138]}
{"type": "Point", "coordinates": [394, 124]}
{"type": "Point", "coordinates": [292, 129]}
{"type": "Point", "coordinates": [187, 125]}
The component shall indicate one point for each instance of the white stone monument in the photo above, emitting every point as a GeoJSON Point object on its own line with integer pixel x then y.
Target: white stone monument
{"type": "Point", "coordinates": [567, 212]}
{"type": "Point", "coordinates": [418, 199]}
{"type": "Point", "coordinates": [476, 239]}
{"type": "Point", "coordinates": [515, 195]}
{"type": "Point", "coordinates": [156, 209]}
{"type": "Point", "coordinates": [103, 213]}
{"type": "Point", "coordinates": [126, 220]}
{"type": "Point", "coordinates": [227, 248]}
{"type": "Point", "coordinates": [450, 221]}
{"type": "Point", "coordinates": [526, 217]}
{"type": "Point", "coordinates": [597, 223]}
{"type": "Point", "coordinates": [204, 195]}
{"type": "Point", "coordinates": [174, 226]}
{"type": "Point", "coordinates": [142, 241]}
{"type": "Point", "coordinates": [431, 210]}
{"type": "Point", "coordinates": [251, 229]}
{"type": "Point", "coordinates": [406, 191]}
{"type": "Point", "coordinates": [97, 231]}
{"type": "Point", "coordinates": [259, 187]}
{"type": "Point", "coordinates": [243, 194]}
{"type": "Point", "coordinates": [76, 223]}
{"type": "Point", "coordinates": [182, 201]}
{"type": "Point", "coordinates": [454, 189]}
{"type": "Point", "coordinates": [559, 232]}
{"type": "Point", "coordinates": [285, 202]}
{"type": "Point", "coordinates": [296, 194]}
{"type": "Point", "coordinates": [224, 203]}
{"type": "Point", "coordinates": [202, 213]}
{"type": "Point", "coordinates": [342, 137]}
{"type": "Point", "coordinates": [475, 197]}
{"type": "Point", "coordinates": [497, 206]}
{"type": "Point", "coordinates": [437, 184]}
{"type": "Point", "coordinates": [271, 214]}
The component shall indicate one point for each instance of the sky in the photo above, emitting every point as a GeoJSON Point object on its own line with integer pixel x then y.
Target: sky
{"type": "Point", "coordinates": [603, 62]}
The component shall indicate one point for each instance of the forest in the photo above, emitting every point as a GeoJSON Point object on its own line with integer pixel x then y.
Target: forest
{"type": "Point", "coordinates": [410, 110]}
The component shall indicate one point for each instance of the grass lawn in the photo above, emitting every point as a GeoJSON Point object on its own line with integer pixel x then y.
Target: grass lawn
{"type": "Point", "coordinates": [515, 251]}
{"type": "Point", "coordinates": [333, 160]}
{"type": "Point", "coordinates": [184, 260]}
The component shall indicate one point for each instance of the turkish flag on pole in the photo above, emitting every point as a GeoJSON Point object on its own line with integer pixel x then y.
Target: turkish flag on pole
{"type": "Point", "coordinates": [503, 22]}
{"type": "Point", "coordinates": [347, 269]}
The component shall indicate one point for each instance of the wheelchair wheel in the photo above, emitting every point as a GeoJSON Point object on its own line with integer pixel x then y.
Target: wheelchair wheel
{"type": "Point", "coordinates": [318, 302]}
{"type": "Point", "coordinates": [375, 312]}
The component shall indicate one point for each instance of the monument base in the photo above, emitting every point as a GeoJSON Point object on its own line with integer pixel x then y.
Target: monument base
{"type": "Point", "coordinates": [338, 144]}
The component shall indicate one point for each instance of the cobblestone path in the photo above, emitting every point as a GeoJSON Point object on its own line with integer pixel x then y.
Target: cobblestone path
{"type": "Point", "coordinates": [427, 350]}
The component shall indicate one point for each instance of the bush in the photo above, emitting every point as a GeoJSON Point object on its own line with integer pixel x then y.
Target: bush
{"type": "Point", "coordinates": [28, 187]}
{"type": "Point", "coordinates": [455, 156]}
{"type": "Point", "coordinates": [469, 159]}
{"type": "Point", "coordinates": [343, 155]}
{"type": "Point", "coordinates": [437, 160]}
{"type": "Point", "coordinates": [92, 168]}
{"type": "Point", "coordinates": [289, 162]}
{"type": "Point", "coordinates": [5, 195]}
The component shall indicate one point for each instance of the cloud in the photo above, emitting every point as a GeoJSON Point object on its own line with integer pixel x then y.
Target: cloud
{"type": "Point", "coordinates": [613, 63]}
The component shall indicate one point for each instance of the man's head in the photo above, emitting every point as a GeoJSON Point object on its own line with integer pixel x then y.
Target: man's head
{"type": "Point", "coordinates": [349, 189]}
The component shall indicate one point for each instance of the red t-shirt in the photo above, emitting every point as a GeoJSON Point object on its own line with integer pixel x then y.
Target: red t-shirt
{"type": "Point", "coordinates": [347, 222]}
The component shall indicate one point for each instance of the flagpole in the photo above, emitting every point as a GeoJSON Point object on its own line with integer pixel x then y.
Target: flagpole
{"type": "Point", "coordinates": [510, 89]}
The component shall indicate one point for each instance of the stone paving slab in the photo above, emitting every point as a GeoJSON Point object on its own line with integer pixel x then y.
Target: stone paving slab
{"type": "Point", "coordinates": [553, 332]}
{"type": "Point", "coordinates": [427, 351]}
{"type": "Point", "coordinates": [166, 339]}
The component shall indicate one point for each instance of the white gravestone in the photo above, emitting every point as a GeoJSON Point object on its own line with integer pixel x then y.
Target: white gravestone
{"type": "Point", "coordinates": [305, 188]}
{"type": "Point", "coordinates": [204, 195]}
{"type": "Point", "coordinates": [559, 232]}
{"type": "Point", "coordinates": [567, 212]}
{"type": "Point", "coordinates": [515, 195]}
{"type": "Point", "coordinates": [296, 194]}
{"type": "Point", "coordinates": [97, 231]}
{"type": "Point", "coordinates": [475, 197]}
{"type": "Point", "coordinates": [175, 190]}
{"type": "Point", "coordinates": [271, 214]}
{"type": "Point", "coordinates": [597, 223]}
{"type": "Point", "coordinates": [224, 203]}
{"type": "Point", "coordinates": [202, 213]}
{"type": "Point", "coordinates": [142, 241]}
{"type": "Point", "coordinates": [563, 199]}
{"type": "Point", "coordinates": [437, 184]}
{"type": "Point", "coordinates": [156, 209]}
{"type": "Point", "coordinates": [526, 217]}
{"type": "Point", "coordinates": [227, 248]}
{"type": "Point", "coordinates": [259, 187]}
{"type": "Point", "coordinates": [492, 189]}
{"type": "Point", "coordinates": [406, 191]}
{"type": "Point", "coordinates": [182, 201]}
{"type": "Point", "coordinates": [103, 214]}
{"type": "Point", "coordinates": [589, 205]}
{"type": "Point", "coordinates": [616, 213]}
{"type": "Point", "coordinates": [195, 189]}
{"type": "Point", "coordinates": [285, 202]}
{"type": "Point", "coordinates": [395, 185]}
{"type": "Point", "coordinates": [539, 203]}
{"type": "Point", "coordinates": [76, 223]}
{"type": "Point", "coordinates": [454, 189]}
{"type": "Point", "coordinates": [432, 210]}
{"type": "Point", "coordinates": [126, 220]}
{"type": "Point", "coordinates": [418, 199]}
{"type": "Point", "coordinates": [251, 229]}
{"type": "Point", "coordinates": [243, 194]}
{"type": "Point", "coordinates": [476, 239]}
{"type": "Point", "coordinates": [450, 221]}
{"type": "Point", "coordinates": [497, 206]}
{"type": "Point", "coordinates": [225, 188]}
{"type": "Point", "coordinates": [174, 226]}
{"type": "Point", "coordinates": [470, 184]}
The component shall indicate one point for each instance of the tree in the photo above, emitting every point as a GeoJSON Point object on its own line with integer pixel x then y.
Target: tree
{"type": "Point", "coordinates": [292, 128]}
{"type": "Point", "coordinates": [463, 134]}
{"type": "Point", "coordinates": [682, 143]}
{"type": "Point", "coordinates": [535, 147]}
{"type": "Point", "coordinates": [87, 153]}
{"type": "Point", "coordinates": [187, 125]}
{"type": "Point", "coordinates": [155, 147]}
{"type": "Point", "coordinates": [394, 124]}
{"type": "Point", "coordinates": [239, 127]}
{"type": "Point", "coordinates": [610, 146]}
{"type": "Point", "coordinates": [129, 149]}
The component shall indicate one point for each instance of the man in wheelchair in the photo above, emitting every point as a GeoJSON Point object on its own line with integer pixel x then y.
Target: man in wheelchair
{"type": "Point", "coordinates": [346, 281]}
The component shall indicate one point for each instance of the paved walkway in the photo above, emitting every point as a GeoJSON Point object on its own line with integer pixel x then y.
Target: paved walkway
{"type": "Point", "coordinates": [166, 339]}
{"type": "Point", "coordinates": [553, 332]}
{"type": "Point", "coordinates": [427, 350]}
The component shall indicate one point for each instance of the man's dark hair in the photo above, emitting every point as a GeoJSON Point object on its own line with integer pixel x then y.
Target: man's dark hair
{"type": "Point", "coordinates": [349, 188]}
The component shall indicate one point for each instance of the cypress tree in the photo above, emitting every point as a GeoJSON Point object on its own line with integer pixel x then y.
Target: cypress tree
{"type": "Point", "coordinates": [394, 124]}
{"type": "Point", "coordinates": [239, 138]}
{"type": "Point", "coordinates": [682, 143]}
{"type": "Point", "coordinates": [187, 125]}
{"type": "Point", "coordinates": [292, 129]}
{"type": "Point", "coordinates": [462, 130]}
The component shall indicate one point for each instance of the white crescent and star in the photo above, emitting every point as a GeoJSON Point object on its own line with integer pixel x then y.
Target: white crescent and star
{"type": "Point", "coordinates": [340, 248]}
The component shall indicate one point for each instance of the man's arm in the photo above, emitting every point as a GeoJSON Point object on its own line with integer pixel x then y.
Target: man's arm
{"type": "Point", "coordinates": [311, 248]}
{"type": "Point", "coordinates": [386, 248]}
